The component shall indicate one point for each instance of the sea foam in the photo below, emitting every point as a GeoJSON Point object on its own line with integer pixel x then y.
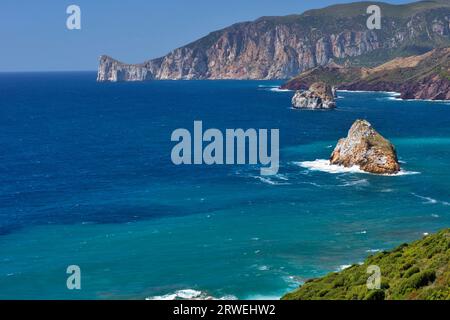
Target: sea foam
{"type": "Point", "coordinates": [273, 88]}
{"type": "Point", "coordinates": [325, 166]}
{"type": "Point", "coordinates": [189, 294]}
{"type": "Point", "coordinates": [429, 200]}
{"type": "Point", "coordinates": [278, 89]}
{"type": "Point", "coordinates": [276, 180]}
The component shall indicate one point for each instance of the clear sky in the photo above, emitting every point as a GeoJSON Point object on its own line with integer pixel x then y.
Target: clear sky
{"type": "Point", "coordinates": [34, 36]}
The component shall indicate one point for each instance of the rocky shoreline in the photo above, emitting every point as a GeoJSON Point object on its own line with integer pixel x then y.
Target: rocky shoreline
{"type": "Point", "coordinates": [430, 88]}
{"type": "Point", "coordinates": [423, 77]}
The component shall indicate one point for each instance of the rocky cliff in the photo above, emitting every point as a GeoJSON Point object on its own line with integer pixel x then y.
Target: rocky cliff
{"type": "Point", "coordinates": [425, 76]}
{"type": "Point", "coordinates": [319, 96]}
{"type": "Point", "coordinates": [282, 47]}
{"type": "Point", "coordinates": [419, 77]}
{"type": "Point", "coordinates": [366, 148]}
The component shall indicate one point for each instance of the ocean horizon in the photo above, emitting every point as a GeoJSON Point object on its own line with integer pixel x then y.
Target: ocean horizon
{"type": "Point", "coordinates": [87, 179]}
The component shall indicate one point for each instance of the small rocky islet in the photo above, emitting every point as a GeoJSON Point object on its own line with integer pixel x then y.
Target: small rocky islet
{"type": "Point", "coordinates": [366, 148]}
{"type": "Point", "coordinates": [319, 96]}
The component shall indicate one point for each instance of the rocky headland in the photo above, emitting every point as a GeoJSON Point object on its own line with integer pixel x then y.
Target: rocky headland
{"type": "Point", "coordinates": [319, 96]}
{"type": "Point", "coordinates": [365, 148]}
{"type": "Point", "coordinates": [425, 76]}
{"type": "Point", "coordinates": [283, 47]}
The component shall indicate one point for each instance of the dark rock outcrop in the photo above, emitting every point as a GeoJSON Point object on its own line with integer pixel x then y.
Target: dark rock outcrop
{"type": "Point", "coordinates": [318, 96]}
{"type": "Point", "coordinates": [366, 148]}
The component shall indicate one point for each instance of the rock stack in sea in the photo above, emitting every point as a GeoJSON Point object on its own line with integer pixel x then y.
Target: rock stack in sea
{"type": "Point", "coordinates": [366, 148]}
{"type": "Point", "coordinates": [319, 96]}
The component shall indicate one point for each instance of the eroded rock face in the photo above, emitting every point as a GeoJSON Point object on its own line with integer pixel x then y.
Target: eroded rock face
{"type": "Point", "coordinates": [319, 96]}
{"type": "Point", "coordinates": [366, 148]}
{"type": "Point", "coordinates": [283, 47]}
{"type": "Point", "coordinates": [113, 70]}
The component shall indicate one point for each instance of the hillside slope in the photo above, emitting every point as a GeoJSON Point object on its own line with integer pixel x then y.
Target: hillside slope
{"type": "Point", "coordinates": [418, 271]}
{"type": "Point", "coordinates": [425, 76]}
{"type": "Point", "coordinates": [282, 47]}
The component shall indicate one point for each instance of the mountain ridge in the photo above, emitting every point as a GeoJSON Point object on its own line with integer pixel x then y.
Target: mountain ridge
{"type": "Point", "coordinates": [281, 47]}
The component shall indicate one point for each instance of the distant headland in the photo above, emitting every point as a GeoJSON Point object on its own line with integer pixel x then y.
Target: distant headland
{"type": "Point", "coordinates": [283, 47]}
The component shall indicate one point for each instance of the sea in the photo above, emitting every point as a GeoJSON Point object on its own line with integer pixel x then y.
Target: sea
{"type": "Point", "coordinates": [86, 180]}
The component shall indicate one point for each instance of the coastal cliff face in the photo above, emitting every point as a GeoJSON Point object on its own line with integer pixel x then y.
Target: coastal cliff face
{"type": "Point", "coordinates": [366, 148]}
{"type": "Point", "coordinates": [282, 47]}
{"type": "Point", "coordinates": [425, 76]}
{"type": "Point", "coordinates": [433, 87]}
{"type": "Point", "coordinates": [112, 70]}
{"type": "Point", "coordinates": [318, 96]}
{"type": "Point", "coordinates": [419, 77]}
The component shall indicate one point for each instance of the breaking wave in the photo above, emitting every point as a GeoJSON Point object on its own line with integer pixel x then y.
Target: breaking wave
{"type": "Point", "coordinates": [273, 88]}
{"type": "Point", "coordinates": [429, 200]}
{"type": "Point", "coordinates": [326, 166]}
{"type": "Point", "coordinates": [343, 267]}
{"type": "Point", "coordinates": [278, 89]}
{"type": "Point", "coordinates": [190, 294]}
{"type": "Point", "coordinates": [276, 180]}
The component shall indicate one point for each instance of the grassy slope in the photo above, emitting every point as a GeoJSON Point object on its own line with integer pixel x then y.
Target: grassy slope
{"type": "Point", "coordinates": [420, 270]}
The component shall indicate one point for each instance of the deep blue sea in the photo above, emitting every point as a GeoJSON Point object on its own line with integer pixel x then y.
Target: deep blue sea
{"type": "Point", "coordinates": [86, 179]}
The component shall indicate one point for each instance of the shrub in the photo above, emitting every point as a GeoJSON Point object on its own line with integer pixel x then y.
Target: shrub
{"type": "Point", "coordinates": [323, 292]}
{"type": "Point", "coordinates": [375, 295]}
{"type": "Point", "coordinates": [407, 265]}
{"type": "Point", "coordinates": [418, 280]}
{"type": "Point", "coordinates": [384, 285]}
{"type": "Point", "coordinates": [411, 271]}
{"type": "Point", "coordinates": [339, 282]}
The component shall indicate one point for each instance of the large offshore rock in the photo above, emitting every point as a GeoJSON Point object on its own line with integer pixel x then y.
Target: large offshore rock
{"type": "Point", "coordinates": [366, 148]}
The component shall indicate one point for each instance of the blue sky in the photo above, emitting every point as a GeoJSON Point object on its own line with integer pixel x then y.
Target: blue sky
{"type": "Point", "coordinates": [34, 36]}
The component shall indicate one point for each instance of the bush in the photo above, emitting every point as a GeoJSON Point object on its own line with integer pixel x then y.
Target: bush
{"type": "Point", "coordinates": [339, 282]}
{"type": "Point", "coordinates": [323, 292]}
{"type": "Point", "coordinates": [411, 271]}
{"type": "Point", "coordinates": [407, 265]}
{"type": "Point", "coordinates": [419, 280]}
{"type": "Point", "coordinates": [385, 285]}
{"type": "Point", "coordinates": [375, 295]}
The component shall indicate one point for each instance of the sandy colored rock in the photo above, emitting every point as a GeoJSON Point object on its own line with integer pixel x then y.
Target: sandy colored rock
{"type": "Point", "coordinates": [366, 148]}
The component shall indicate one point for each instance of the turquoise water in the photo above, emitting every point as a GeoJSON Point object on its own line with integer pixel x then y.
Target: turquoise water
{"type": "Point", "coordinates": [86, 179]}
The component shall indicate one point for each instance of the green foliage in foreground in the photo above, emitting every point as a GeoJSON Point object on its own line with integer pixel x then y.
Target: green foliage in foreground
{"type": "Point", "coordinates": [420, 270]}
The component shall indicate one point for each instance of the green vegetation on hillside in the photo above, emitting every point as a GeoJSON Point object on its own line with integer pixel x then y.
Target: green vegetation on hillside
{"type": "Point", "coordinates": [388, 10]}
{"type": "Point", "coordinates": [416, 271]}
